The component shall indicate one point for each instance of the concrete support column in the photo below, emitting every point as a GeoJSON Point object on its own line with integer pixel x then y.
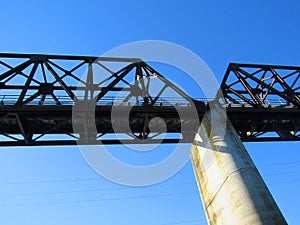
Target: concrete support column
{"type": "Point", "coordinates": [232, 190]}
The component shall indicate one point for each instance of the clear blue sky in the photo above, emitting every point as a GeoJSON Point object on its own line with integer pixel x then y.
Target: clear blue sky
{"type": "Point", "coordinates": [54, 185]}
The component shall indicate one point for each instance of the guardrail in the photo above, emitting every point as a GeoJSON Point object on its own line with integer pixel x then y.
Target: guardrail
{"type": "Point", "coordinates": [119, 101]}
{"type": "Point", "coordinates": [105, 101]}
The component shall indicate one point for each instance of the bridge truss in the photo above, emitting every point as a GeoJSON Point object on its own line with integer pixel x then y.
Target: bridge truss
{"type": "Point", "coordinates": [263, 101]}
{"type": "Point", "coordinates": [42, 98]}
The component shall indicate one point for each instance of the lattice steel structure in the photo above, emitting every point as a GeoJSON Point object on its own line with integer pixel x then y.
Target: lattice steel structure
{"type": "Point", "coordinates": [263, 101]}
{"type": "Point", "coordinates": [43, 97]}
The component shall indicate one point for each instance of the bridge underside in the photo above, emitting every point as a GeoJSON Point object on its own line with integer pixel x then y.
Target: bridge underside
{"type": "Point", "coordinates": [53, 125]}
{"type": "Point", "coordinates": [39, 123]}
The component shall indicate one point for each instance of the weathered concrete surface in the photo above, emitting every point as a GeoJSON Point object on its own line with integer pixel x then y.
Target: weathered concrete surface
{"type": "Point", "coordinates": [231, 188]}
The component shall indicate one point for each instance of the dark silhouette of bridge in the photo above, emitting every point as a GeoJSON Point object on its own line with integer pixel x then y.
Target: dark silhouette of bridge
{"type": "Point", "coordinates": [42, 98]}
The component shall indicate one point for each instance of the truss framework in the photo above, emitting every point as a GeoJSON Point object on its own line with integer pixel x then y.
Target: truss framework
{"type": "Point", "coordinates": [40, 92]}
{"type": "Point", "coordinates": [263, 101]}
{"type": "Point", "coordinates": [43, 97]}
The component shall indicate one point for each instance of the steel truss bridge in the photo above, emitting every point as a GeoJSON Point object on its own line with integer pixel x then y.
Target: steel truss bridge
{"type": "Point", "coordinates": [43, 97]}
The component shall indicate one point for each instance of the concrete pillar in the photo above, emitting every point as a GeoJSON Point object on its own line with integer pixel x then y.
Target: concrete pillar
{"type": "Point", "coordinates": [231, 188]}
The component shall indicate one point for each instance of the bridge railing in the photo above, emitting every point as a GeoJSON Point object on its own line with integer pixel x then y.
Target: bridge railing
{"type": "Point", "coordinates": [105, 101]}
{"type": "Point", "coordinates": [268, 103]}
{"type": "Point", "coordinates": [119, 101]}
